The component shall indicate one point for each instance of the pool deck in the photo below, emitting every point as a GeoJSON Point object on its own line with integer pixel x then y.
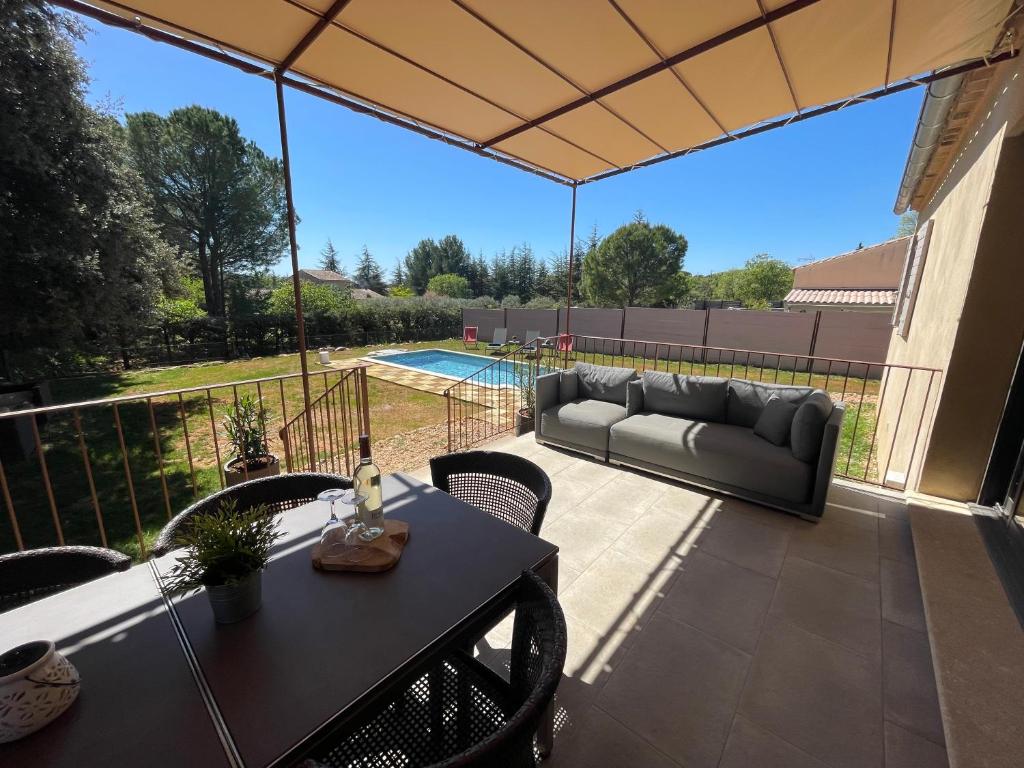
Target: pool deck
{"type": "Point", "coordinates": [497, 403]}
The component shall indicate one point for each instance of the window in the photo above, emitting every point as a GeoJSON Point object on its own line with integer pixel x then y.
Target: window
{"type": "Point", "coordinates": [911, 280]}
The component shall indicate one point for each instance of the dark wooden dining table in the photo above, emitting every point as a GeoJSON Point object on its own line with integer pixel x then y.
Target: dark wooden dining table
{"type": "Point", "coordinates": [162, 684]}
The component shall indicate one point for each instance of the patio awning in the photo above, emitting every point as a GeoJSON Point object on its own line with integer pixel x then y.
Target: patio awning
{"type": "Point", "coordinates": [580, 88]}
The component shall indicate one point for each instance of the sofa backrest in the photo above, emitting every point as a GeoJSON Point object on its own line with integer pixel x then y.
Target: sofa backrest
{"type": "Point", "coordinates": [748, 398]}
{"type": "Point", "coordinates": [692, 397]}
{"type": "Point", "coordinates": [604, 382]}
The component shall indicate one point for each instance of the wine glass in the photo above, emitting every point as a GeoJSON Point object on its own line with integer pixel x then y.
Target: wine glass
{"type": "Point", "coordinates": [331, 495]}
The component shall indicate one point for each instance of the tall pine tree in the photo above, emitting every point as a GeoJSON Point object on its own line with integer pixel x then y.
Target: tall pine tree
{"type": "Point", "coordinates": [329, 258]}
{"type": "Point", "coordinates": [368, 273]}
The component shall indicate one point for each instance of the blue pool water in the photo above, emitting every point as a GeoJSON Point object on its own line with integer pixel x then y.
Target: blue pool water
{"type": "Point", "coordinates": [458, 365]}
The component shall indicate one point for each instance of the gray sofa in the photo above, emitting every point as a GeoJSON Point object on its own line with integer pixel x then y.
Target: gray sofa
{"type": "Point", "coordinates": [770, 443]}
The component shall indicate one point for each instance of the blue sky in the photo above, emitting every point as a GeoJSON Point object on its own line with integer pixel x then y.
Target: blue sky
{"type": "Point", "coordinates": [809, 190]}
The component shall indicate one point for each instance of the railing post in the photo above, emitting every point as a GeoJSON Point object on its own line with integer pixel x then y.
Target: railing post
{"type": "Point", "coordinates": [448, 406]}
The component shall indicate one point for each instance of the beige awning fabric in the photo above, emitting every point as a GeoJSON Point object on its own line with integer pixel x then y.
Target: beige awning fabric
{"type": "Point", "coordinates": [578, 88]}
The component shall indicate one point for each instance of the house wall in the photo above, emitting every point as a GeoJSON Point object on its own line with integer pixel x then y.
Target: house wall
{"type": "Point", "coordinates": [968, 319]}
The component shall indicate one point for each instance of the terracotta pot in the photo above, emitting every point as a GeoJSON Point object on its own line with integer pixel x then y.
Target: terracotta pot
{"type": "Point", "coordinates": [234, 602]}
{"type": "Point", "coordinates": [234, 474]}
{"type": "Point", "coordinates": [524, 421]}
{"type": "Point", "coordinates": [37, 685]}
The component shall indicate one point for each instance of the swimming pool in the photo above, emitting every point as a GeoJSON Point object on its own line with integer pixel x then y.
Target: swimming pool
{"type": "Point", "coordinates": [457, 365]}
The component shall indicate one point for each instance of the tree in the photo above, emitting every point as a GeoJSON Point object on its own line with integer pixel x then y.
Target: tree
{"type": "Point", "coordinates": [398, 277]}
{"type": "Point", "coordinates": [401, 292]}
{"type": "Point", "coordinates": [317, 299]}
{"type": "Point", "coordinates": [329, 258]}
{"type": "Point", "coordinates": [632, 265]}
{"type": "Point", "coordinates": [453, 286]}
{"type": "Point", "coordinates": [80, 255]}
{"type": "Point", "coordinates": [907, 224]}
{"type": "Point", "coordinates": [429, 258]}
{"type": "Point", "coordinates": [764, 280]}
{"type": "Point", "coordinates": [218, 197]}
{"type": "Point", "coordinates": [368, 273]}
{"type": "Point", "coordinates": [479, 277]}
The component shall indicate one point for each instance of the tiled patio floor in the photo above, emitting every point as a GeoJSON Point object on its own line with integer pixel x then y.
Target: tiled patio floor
{"type": "Point", "coordinates": [706, 631]}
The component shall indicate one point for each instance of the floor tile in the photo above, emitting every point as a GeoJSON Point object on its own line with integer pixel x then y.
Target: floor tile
{"type": "Point", "coordinates": [852, 495]}
{"type": "Point", "coordinates": [816, 695]}
{"type": "Point", "coordinates": [892, 509]}
{"type": "Point", "coordinates": [587, 470]}
{"type": "Point", "coordinates": [752, 747]}
{"type": "Point", "coordinates": [579, 542]}
{"type": "Point", "coordinates": [911, 699]}
{"type": "Point", "coordinates": [901, 595]}
{"type": "Point", "coordinates": [773, 518]}
{"type": "Point", "coordinates": [720, 598]}
{"type": "Point", "coordinates": [624, 499]}
{"type": "Point", "coordinates": [741, 541]}
{"type": "Point", "coordinates": [677, 688]}
{"type": "Point", "coordinates": [662, 536]}
{"type": "Point", "coordinates": [847, 548]}
{"type": "Point", "coordinates": [603, 741]}
{"type": "Point", "coordinates": [839, 607]}
{"type": "Point", "coordinates": [896, 540]}
{"type": "Point", "coordinates": [904, 749]}
{"type": "Point", "coordinates": [616, 594]}
{"type": "Point", "coordinates": [863, 518]}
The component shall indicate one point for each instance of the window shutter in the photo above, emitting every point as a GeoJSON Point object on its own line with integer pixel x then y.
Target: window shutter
{"type": "Point", "coordinates": [911, 280]}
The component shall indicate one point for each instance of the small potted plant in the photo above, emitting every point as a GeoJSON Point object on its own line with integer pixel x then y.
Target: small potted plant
{"type": "Point", "coordinates": [246, 425]}
{"type": "Point", "coordinates": [226, 552]}
{"type": "Point", "coordinates": [526, 383]}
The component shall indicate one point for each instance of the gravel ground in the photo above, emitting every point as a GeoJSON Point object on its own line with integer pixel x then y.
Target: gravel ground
{"type": "Point", "coordinates": [411, 450]}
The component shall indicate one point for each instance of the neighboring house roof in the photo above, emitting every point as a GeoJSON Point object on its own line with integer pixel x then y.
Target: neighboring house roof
{"type": "Point", "coordinates": [365, 293]}
{"type": "Point", "coordinates": [832, 296]}
{"type": "Point", "coordinates": [325, 276]}
{"type": "Point", "coordinates": [876, 267]}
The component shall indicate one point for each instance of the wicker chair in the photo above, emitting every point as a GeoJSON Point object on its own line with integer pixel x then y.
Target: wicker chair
{"type": "Point", "coordinates": [278, 493]}
{"type": "Point", "coordinates": [509, 487]}
{"type": "Point", "coordinates": [463, 714]}
{"type": "Point", "coordinates": [36, 573]}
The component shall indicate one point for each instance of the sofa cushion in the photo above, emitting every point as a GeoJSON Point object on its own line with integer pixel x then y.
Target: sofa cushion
{"type": "Point", "coordinates": [604, 382]}
{"type": "Point", "coordinates": [775, 420]}
{"type": "Point", "coordinates": [748, 398]}
{"type": "Point", "coordinates": [809, 426]}
{"type": "Point", "coordinates": [568, 386]}
{"type": "Point", "coordinates": [634, 397]}
{"type": "Point", "coordinates": [582, 422]}
{"type": "Point", "coordinates": [693, 397]}
{"type": "Point", "coordinates": [723, 453]}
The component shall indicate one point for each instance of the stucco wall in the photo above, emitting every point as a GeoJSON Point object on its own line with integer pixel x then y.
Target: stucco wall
{"type": "Point", "coordinates": [877, 266]}
{"type": "Point", "coordinates": [968, 316]}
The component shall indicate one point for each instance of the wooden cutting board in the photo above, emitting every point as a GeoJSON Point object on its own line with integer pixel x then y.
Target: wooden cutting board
{"type": "Point", "coordinates": [375, 556]}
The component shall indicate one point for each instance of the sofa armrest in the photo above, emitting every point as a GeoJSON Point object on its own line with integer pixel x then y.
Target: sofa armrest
{"type": "Point", "coordinates": [634, 397]}
{"type": "Point", "coordinates": [546, 396]}
{"type": "Point", "coordinates": [827, 459]}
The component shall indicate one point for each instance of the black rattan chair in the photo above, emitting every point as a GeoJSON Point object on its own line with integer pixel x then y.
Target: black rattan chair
{"type": "Point", "coordinates": [461, 713]}
{"type": "Point", "coordinates": [509, 487]}
{"type": "Point", "coordinates": [36, 573]}
{"type": "Point", "coordinates": [277, 493]}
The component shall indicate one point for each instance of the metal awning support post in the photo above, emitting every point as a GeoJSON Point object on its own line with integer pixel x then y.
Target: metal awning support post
{"type": "Point", "coordinates": [568, 292]}
{"type": "Point", "coordinates": [300, 325]}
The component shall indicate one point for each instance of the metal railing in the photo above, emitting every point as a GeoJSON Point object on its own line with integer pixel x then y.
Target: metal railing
{"type": "Point", "coordinates": [112, 471]}
{"type": "Point", "coordinates": [338, 417]}
{"type": "Point", "coordinates": [888, 405]}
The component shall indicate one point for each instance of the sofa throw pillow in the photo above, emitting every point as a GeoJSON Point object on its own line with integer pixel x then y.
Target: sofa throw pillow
{"type": "Point", "coordinates": [776, 420]}
{"type": "Point", "coordinates": [604, 382]}
{"type": "Point", "coordinates": [693, 397]}
{"type": "Point", "coordinates": [748, 398]}
{"type": "Point", "coordinates": [809, 426]}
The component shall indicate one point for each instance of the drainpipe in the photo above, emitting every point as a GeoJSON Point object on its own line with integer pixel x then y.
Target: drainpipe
{"type": "Point", "coordinates": [938, 101]}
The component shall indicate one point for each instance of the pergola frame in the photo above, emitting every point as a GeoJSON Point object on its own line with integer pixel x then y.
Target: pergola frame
{"type": "Point", "coordinates": [278, 73]}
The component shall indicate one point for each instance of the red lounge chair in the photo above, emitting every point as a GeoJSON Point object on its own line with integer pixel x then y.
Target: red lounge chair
{"type": "Point", "coordinates": [469, 336]}
{"type": "Point", "coordinates": [565, 343]}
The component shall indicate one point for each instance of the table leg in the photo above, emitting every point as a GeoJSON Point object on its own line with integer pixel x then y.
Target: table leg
{"type": "Point", "coordinates": [546, 732]}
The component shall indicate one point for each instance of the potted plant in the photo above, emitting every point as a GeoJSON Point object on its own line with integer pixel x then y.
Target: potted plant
{"type": "Point", "coordinates": [526, 383]}
{"type": "Point", "coordinates": [246, 425]}
{"type": "Point", "coordinates": [226, 552]}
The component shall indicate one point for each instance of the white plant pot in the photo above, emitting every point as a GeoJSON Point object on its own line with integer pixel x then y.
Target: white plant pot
{"type": "Point", "coordinates": [37, 684]}
{"type": "Point", "coordinates": [325, 357]}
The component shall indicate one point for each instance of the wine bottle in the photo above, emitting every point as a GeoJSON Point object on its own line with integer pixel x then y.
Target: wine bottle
{"type": "Point", "coordinates": [366, 481]}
